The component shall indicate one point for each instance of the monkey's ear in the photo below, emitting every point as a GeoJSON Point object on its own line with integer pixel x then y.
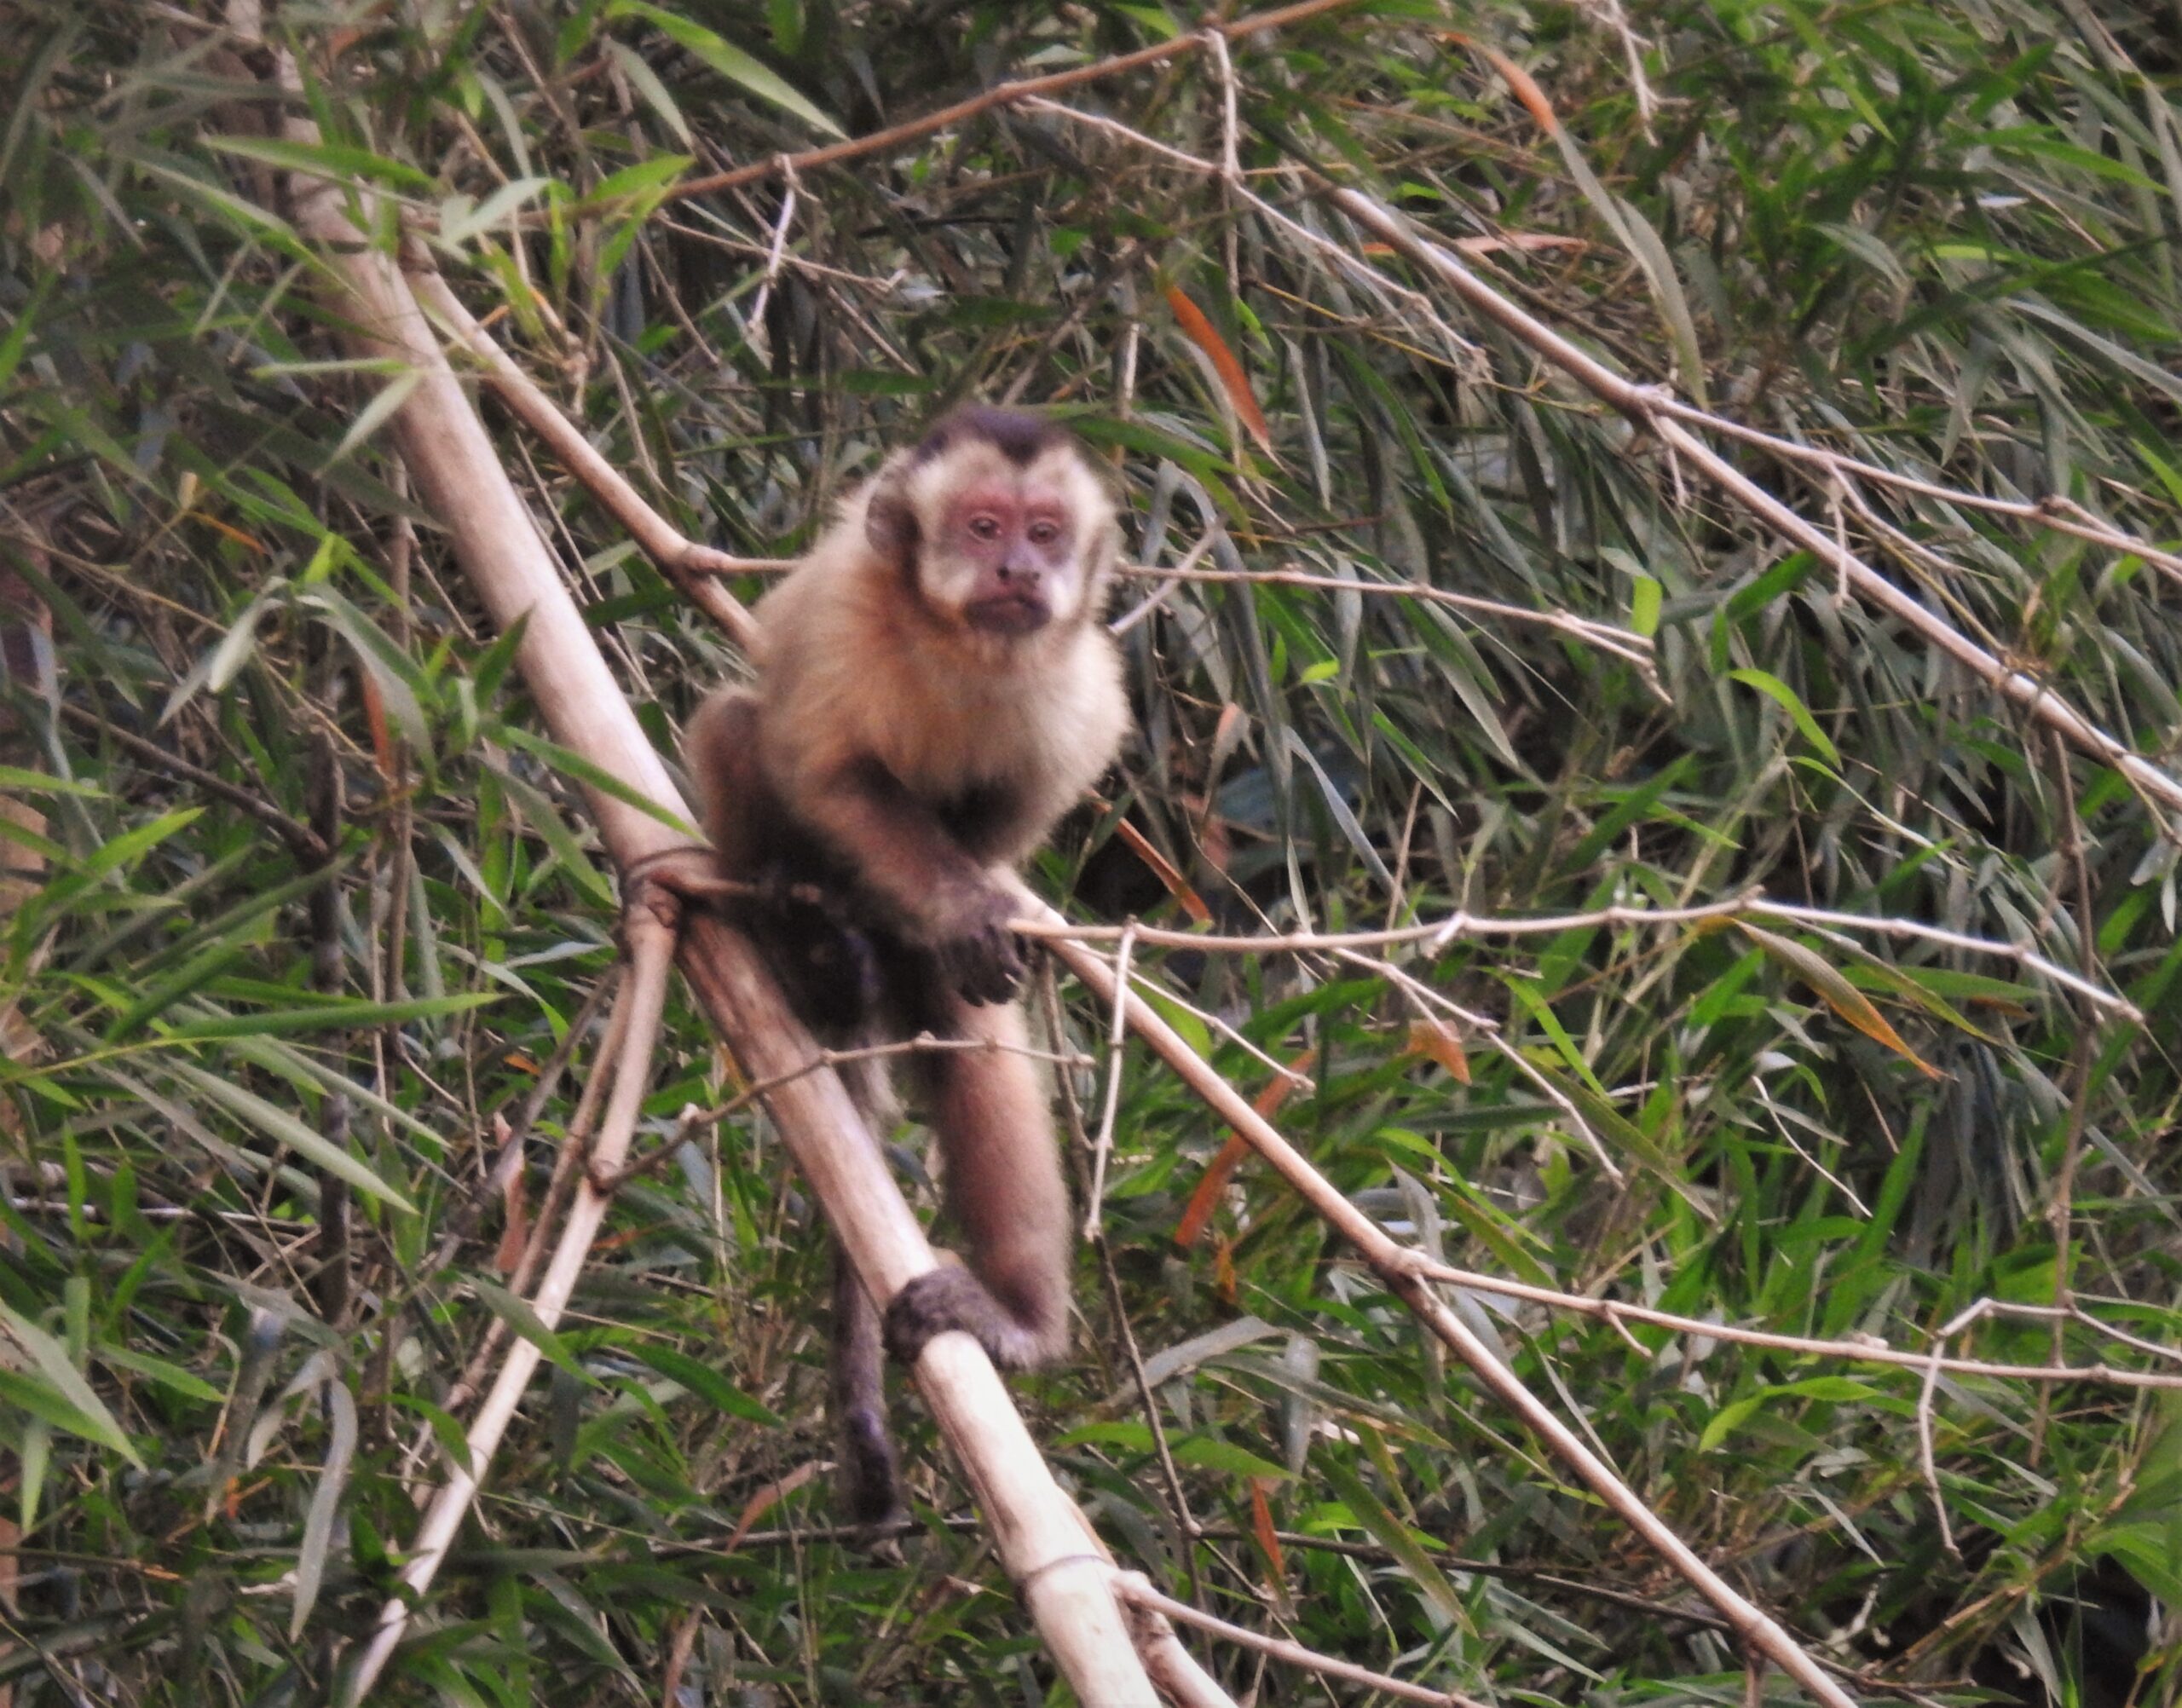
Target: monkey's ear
{"type": "Point", "coordinates": [889, 523]}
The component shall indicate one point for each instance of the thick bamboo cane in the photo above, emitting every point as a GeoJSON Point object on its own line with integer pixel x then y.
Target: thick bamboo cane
{"type": "Point", "coordinates": [1045, 1543]}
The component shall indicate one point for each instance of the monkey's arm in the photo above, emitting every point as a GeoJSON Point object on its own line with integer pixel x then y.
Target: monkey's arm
{"type": "Point", "coordinates": [940, 896]}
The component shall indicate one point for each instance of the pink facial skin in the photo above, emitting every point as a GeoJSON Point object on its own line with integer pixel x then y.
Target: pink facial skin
{"type": "Point", "coordinates": [1017, 544]}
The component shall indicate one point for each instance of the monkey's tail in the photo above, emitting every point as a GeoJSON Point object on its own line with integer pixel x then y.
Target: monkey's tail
{"type": "Point", "coordinates": [871, 1085]}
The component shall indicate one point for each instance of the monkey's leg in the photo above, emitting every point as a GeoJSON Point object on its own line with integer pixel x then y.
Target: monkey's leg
{"type": "Point", "coordinates": [868, 1493]}
{"type": "Point", "coordinates": [1005, 1192]}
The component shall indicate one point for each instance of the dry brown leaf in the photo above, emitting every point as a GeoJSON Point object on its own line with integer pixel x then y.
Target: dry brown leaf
{"type": "Point", "coordinates": [1520, 82]}
{"type": "Point", "coordinates": [515, 1204]}
{"type": "Point", "coordinates": [1261, 1526]}
{"type": "Point", "coordinates": [382, 737]}
{"type": "Point", "coordinates": [766, 1499]}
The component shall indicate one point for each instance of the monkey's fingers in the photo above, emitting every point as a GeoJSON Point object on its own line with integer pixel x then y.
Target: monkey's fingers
{"type": "Point", "coordinates": [985, 966]}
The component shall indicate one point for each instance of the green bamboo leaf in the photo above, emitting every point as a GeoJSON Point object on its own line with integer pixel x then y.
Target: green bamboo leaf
{"type": "Point", "coordinates": [284, 1128]}
{"type": "Point", "coordinates": [1392, 1535]}
{"type": "Point", "coordinates": [645, 180]}
{"type": "Point", "coordinates": [460, 220]}
{"type": "Point", "coordinates": [17, 781]}
{"type": "Point", "coordinates": [385, 406]}
{"type": "Point", "coordinates": [402, 687]}
{"type": "Point", "coordinates": [706, 1383]}
{"type": "Point", "coordinates": [171, 1377]}
{"type": "Point", "coordinates": [53, 1388]}
{"type": "Point", "coordinates": [239, 211]}
{"type": "Point", "coordinates": [543, 817]}
{"type": "Point", "coordinates": [34, 1455]}
{"type": "Point", "coordinates": [326, 1494]}
{"type": "Point", "coordinates": [519, 1315]}
{"type": "Point", "coordinates": [1225, 1457]}
{"type": "Point", "coordinates": [731, 62]}
{"type": "Point", "coordinates": [572, 763]}
{"type": "Point", "coordinates": [340, 1016]}
{"type": "Point", "coordinates": [19, 330]}
{"type": "Point", "coordinates": [341, 162]}
{"type": "Point", "coordinates": [1771, 685]}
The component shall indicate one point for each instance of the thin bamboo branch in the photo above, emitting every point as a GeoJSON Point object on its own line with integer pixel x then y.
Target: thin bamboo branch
{"type": "Point", "coordinates": [1407, 1275]}
{"type": "Point", "coordinates": [1006, 94]}
{"type": "Point", "coordinates": [307, 844]}
{"type": "Point", "coordinates": [2061, 515]}
{"type": "Point", "coordinates": [1625, 645]}
{"type": "Point", "coordinates": [1864, 1350]}
{"type": "Point", "coordinates": [651, 937]}
{"type": "Point", "coordinates": [1463, 925]}
{"type": "Point", "coordinates": [1181, 1680]}
{"type": "Point", "coordinates": [1102, 1146]}
{"type": "Point", "coordinates": [1639, 403]}
{"type": "Point", "coordinates": [1044, 1542]}
{"type": "Point", "coordinates": [1136, 1590]}
{"type": "Point", "coordinates": [692, 567]}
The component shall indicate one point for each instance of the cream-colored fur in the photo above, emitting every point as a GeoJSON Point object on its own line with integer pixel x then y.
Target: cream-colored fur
{"type": "Point", "coordinates": [857, 667]}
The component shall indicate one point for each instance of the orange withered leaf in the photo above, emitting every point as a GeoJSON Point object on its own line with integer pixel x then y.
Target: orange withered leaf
{"type": "Point", "coordinates": [1524, 85]}
{"type": "Point", "coordinates": [382, 737]}
{"type": "Point", "coordinates": [1162, 868]}
{"type": "Point", "coordinates": [1199, 1211]}
{"type": "Point", "coordinates": [1200, 332]}
{"type": "Point", "coordinates": [1439, 1041]}
{"type": "Point", "coordinates": [1262, 1527]}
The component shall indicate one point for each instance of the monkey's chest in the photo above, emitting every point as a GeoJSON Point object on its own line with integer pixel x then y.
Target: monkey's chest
{"type": "Point", "coordinates": [984, 817]}
{"type": "Point", "coordinates": [979, 771]}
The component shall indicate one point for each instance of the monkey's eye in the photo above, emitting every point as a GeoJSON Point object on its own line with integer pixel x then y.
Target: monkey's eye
{"type": "Point", "coordinates": [1044, 533]}
{"type": "Point", "coordinates": [986, 527]}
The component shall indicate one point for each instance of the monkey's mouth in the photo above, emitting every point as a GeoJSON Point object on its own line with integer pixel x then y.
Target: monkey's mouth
{"type": "Point", "coordinates": [1010, 614]}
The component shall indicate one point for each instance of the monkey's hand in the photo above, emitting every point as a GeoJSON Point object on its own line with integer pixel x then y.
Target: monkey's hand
{"type": "Point", "coordinates": [954, 1298]}
{"type": "Point", "coordinates": [976, 946]}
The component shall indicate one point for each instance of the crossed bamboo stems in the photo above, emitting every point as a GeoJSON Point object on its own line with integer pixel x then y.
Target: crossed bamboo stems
{"type": "Point", "coordinates": [1108, 1631]}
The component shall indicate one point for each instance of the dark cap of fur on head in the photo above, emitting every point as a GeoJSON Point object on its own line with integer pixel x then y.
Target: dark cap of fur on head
{"type": "Point", "coordinates": [1016, 434]}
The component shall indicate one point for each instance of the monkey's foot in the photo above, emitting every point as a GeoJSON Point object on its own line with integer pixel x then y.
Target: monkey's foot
{"type": "Point", "coordinates": [954, 1298]}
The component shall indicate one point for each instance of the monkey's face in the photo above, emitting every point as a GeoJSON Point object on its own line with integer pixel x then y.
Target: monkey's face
{"type": "Point", "coordinates": [1002, 548]}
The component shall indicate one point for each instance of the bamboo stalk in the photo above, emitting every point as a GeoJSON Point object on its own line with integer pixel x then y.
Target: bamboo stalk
{"type": "Point", "coordinates": [1044, 1542]}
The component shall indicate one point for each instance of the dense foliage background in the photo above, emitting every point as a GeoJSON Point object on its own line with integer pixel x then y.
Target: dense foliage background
{"type": "Point", "coordinates": [1939, 234]}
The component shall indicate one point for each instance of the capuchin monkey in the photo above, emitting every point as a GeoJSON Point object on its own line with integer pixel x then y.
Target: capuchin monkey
{"type": "Point", "coordinates": [937, 689]}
